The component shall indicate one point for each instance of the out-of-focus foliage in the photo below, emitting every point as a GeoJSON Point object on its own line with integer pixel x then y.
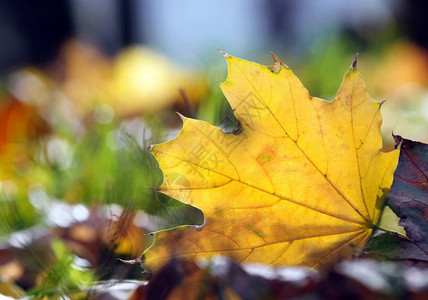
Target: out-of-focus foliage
{"type": "Point", "coordinates": [220, 278]}
{"type": "Point", "coordinates": [74, 169]}
{"type": "Point", "coordinates": [146, 81]}
{"type": "Point", "coordinates": [400, 75]}
{"type": "Point", "coordinates": [137, 80]}
{"type": "Point", "coordinates": [402, 64]}
{"type": "Point", "coordinates": [62, 278]}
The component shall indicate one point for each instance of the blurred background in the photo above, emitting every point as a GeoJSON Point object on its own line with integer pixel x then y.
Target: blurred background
{"type": "Point", "coordinates": [87, 85]}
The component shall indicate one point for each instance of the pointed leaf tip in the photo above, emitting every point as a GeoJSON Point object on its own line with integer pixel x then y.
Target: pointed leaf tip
{"type": "Point", "coordinates": [275, 58]}
{"type": "Point", "coordinates": [181, 116]}
{"type": "Point", "coordinates": [277, 65]}
{"type": "Point", "coordinates": [397, 138]}
{"type": "Point", "coordinates": [382, 102]}
{"type": "Point", "coordinates": [223, 53]}
{"type": "Point", "coordinates": [156, 189]}
{"type": "Point", "coordinates": [354, 63]}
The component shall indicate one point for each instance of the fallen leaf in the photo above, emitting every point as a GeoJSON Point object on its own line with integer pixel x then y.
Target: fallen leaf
{"type": "Point", "coordinates": [180, 279]}
{"type": "Point", "coordinates": [20, 127]}
{"type": "Point", "coordinates": [19, 123]}
{"type": "Point", "coordinates": [356, 279]}
{"type": "Point", "coordinates": [390, 247]}
{"type": "Point", "coordinates": [302, 182]}
{"type": "Point", "coordinates": [408, 196]}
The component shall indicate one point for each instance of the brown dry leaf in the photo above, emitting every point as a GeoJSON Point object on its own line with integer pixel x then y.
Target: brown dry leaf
{"type": "Point", "coordinates": [181, 279]}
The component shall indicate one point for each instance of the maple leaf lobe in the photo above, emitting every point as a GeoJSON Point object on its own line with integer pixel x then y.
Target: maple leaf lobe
{"type": "Point", "coordinates": [298, 185]}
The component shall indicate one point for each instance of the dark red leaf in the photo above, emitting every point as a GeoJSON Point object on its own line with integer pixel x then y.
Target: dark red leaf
{"type": "Point", "coordinates": [408, 196]}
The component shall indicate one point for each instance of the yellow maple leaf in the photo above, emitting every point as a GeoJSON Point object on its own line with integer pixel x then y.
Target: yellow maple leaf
{"type": "Point", "coordinates": [301, 183]}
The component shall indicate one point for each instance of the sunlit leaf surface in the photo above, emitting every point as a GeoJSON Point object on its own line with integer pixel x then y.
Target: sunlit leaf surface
{"type": "Point", "coordinates": [302, 182]}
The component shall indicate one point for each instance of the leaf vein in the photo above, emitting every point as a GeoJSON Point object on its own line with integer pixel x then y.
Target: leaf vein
{"type": "Point", "coordinates": [255, 247]}
{"type": "Point", "coordinates": [356, 152]}
{"type": "Point", "coordinates": [303, 152]}
{"type": "Point", "coordinates": [262, 190]}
